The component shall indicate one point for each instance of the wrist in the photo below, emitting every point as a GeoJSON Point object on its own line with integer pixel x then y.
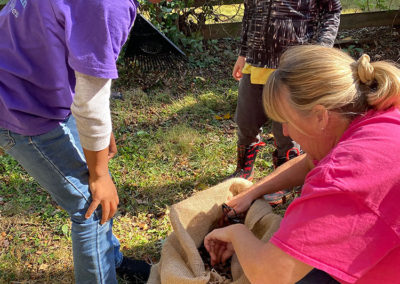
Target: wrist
{"type": "Point", "coordinates": [235, 229]}
{"type": "Point", "coordinates": [99, 174]}
{"type": "Point", "coordinates": [253, 193]}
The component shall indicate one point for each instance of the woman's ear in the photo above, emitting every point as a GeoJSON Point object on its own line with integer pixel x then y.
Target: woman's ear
{"type": "Point", "coordinates": [320, 117]}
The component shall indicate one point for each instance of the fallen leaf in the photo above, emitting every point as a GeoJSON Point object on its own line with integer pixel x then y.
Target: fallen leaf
{"type": "Point", "coordinates": [201, 186]}
{"type": "Point", "coordinates": [227, 116]}
{"type": "Point", "coordinates": [43, 266]}
{"type": "Point", "coordinates": [143, 226]}
{"type": "Point", "coordinates": [200, 78]}
{"type": "Point", "coordinates": [5, 244]}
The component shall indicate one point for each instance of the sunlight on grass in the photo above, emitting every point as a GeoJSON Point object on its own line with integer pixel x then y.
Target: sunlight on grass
{"type": "Point", "coordinates": [181, 104]}
{"type": "Point", "coordinates": [180, 140]}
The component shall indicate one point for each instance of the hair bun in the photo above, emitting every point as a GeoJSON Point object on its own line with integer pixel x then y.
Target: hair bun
{"type": "Point", "coordinates": [366, 71]}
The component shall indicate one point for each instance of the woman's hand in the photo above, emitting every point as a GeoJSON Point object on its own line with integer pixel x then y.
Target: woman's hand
{"type": "Point", "coordinates": [218, 244]}
{"type": "Point", "coordinates": [237, 69]}
{"type": "Point", "coordinates": [240, 203]}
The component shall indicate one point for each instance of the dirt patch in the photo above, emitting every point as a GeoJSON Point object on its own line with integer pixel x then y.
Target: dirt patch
{"type": "Point", "coordinates": [380, 43]}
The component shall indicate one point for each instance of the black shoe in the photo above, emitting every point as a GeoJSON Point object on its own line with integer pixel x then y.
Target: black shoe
{"type": "Point", "coordinates": [137, 271]}
{"type": "Point", "coordinates": [290, 154]}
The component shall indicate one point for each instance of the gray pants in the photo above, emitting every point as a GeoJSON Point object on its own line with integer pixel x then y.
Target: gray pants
{"type": "Point", "coordinates": [250, 117]}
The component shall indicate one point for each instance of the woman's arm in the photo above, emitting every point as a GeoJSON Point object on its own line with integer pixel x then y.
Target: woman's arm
{"type": "Point", "coordinates": [290, 174]}
{"type": "Point", "coordinates": [262, 263]}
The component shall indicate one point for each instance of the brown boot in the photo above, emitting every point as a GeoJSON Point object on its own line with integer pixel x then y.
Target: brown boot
{"type": "Point", "coordinates": [246, 156]}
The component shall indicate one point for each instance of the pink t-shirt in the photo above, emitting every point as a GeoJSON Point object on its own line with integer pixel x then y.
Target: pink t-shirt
{"type": "Point", "coordinates": [347, 220]}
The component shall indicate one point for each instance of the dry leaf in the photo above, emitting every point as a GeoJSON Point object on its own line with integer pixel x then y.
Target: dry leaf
{"type": "Point", "coordinates": [227, 116]}
{"type": "Point", "coordinates": [43, 266]}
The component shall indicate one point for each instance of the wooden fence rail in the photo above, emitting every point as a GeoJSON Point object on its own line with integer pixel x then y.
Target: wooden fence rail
{"type": "Point", "coordinates": [347, 21]}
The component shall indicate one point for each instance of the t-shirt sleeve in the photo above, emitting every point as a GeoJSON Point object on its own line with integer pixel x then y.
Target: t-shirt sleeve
{"type": "Point", "coordinates": [332, 230]}
{"type": "Point", "coordinates": [95, 31]}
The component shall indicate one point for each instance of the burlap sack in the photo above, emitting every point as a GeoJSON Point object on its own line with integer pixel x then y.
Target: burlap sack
{"type": "Point", "coordinates": [191, 220]}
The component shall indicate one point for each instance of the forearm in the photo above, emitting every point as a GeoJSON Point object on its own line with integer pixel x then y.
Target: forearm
{"type": "Point", "coordinates": [290, 174]}
{"type": "Point", "coordinates": [243, 36]}
{"type": "Point", "coordinates": [329, 22]}
{"type": "Point", "coordinates": [264, 263]}
{"type": "Point", "coordinates": [249, 251]}
{"type": "Point", "coordinates": [91, 109]}
{"type": "Point", "coordinates": [92, 114]}
{"type": "Point", "coordinates": [97, 162]}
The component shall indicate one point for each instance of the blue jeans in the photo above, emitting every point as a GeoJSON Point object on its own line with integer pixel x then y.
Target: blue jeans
{"type": "Point", "coordinates": [56, 161]}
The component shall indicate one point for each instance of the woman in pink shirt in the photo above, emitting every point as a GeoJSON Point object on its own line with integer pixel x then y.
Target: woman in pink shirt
{"type": "Point", "coordinates": [345, 226]}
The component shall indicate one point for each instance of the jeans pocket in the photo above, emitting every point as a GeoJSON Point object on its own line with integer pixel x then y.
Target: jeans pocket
{"type": "Point", "coordinates": [6, 141]}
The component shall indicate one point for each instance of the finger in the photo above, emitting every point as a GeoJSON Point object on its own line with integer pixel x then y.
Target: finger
{"type": "Point", "coordinates": [206, 244]}
{"type": "Point", "coordinates": [226, 255]}
{"type": "Point", "coordinates": [113, 209]}
{"type": "Point", "coordinates": [215, 254]}
{"type": "Point", "coordinates": [221, 252]}
{"type": "Point", "coordinates": [234, 73]}
{"type": "Point", "coordinates": [212, 253]}
{"type": "Point", "coordinates": [93, 206]}
{"type": "Point", "coordinates": [105, 212]}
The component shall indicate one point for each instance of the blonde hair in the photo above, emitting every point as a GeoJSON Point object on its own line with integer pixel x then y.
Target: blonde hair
{"type": "Point", "coordinates": [318, 75]}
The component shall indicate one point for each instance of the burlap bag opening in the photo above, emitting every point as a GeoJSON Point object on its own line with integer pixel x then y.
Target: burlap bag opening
{"type": "Point", "coordinates": [191, 220]}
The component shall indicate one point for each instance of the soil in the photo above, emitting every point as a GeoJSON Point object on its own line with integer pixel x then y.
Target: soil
{"type": "Point", "coordinates": [380, 43]}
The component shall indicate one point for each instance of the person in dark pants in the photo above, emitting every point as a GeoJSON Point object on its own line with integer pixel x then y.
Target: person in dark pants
{"type": "Point", "coordinates": [269, 27]}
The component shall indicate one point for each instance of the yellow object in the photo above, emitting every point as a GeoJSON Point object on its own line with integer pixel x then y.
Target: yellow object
{"type": "Point", "coordinates": [258, 75]}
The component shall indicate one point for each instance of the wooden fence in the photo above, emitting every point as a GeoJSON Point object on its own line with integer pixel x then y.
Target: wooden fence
{"type": "Point", "coordinates": [347, 21]}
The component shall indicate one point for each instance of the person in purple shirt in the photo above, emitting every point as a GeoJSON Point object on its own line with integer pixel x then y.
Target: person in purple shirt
{"type": "Point", "coordinates": [57, 59]}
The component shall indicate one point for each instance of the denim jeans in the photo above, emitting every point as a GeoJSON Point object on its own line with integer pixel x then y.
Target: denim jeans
{"type": "Point", "coordinates": [56, 161]}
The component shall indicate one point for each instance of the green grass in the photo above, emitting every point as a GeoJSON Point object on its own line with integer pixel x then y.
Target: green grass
{"type": "Point", "coordinates": [171, 143]}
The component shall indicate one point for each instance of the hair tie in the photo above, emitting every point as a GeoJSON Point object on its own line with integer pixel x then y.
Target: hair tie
{"type": "Point", "coordinates": [366, 71]}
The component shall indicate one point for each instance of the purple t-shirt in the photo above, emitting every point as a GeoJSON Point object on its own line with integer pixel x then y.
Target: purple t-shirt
{"type": "Point", "coordinates": [42, 42]}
